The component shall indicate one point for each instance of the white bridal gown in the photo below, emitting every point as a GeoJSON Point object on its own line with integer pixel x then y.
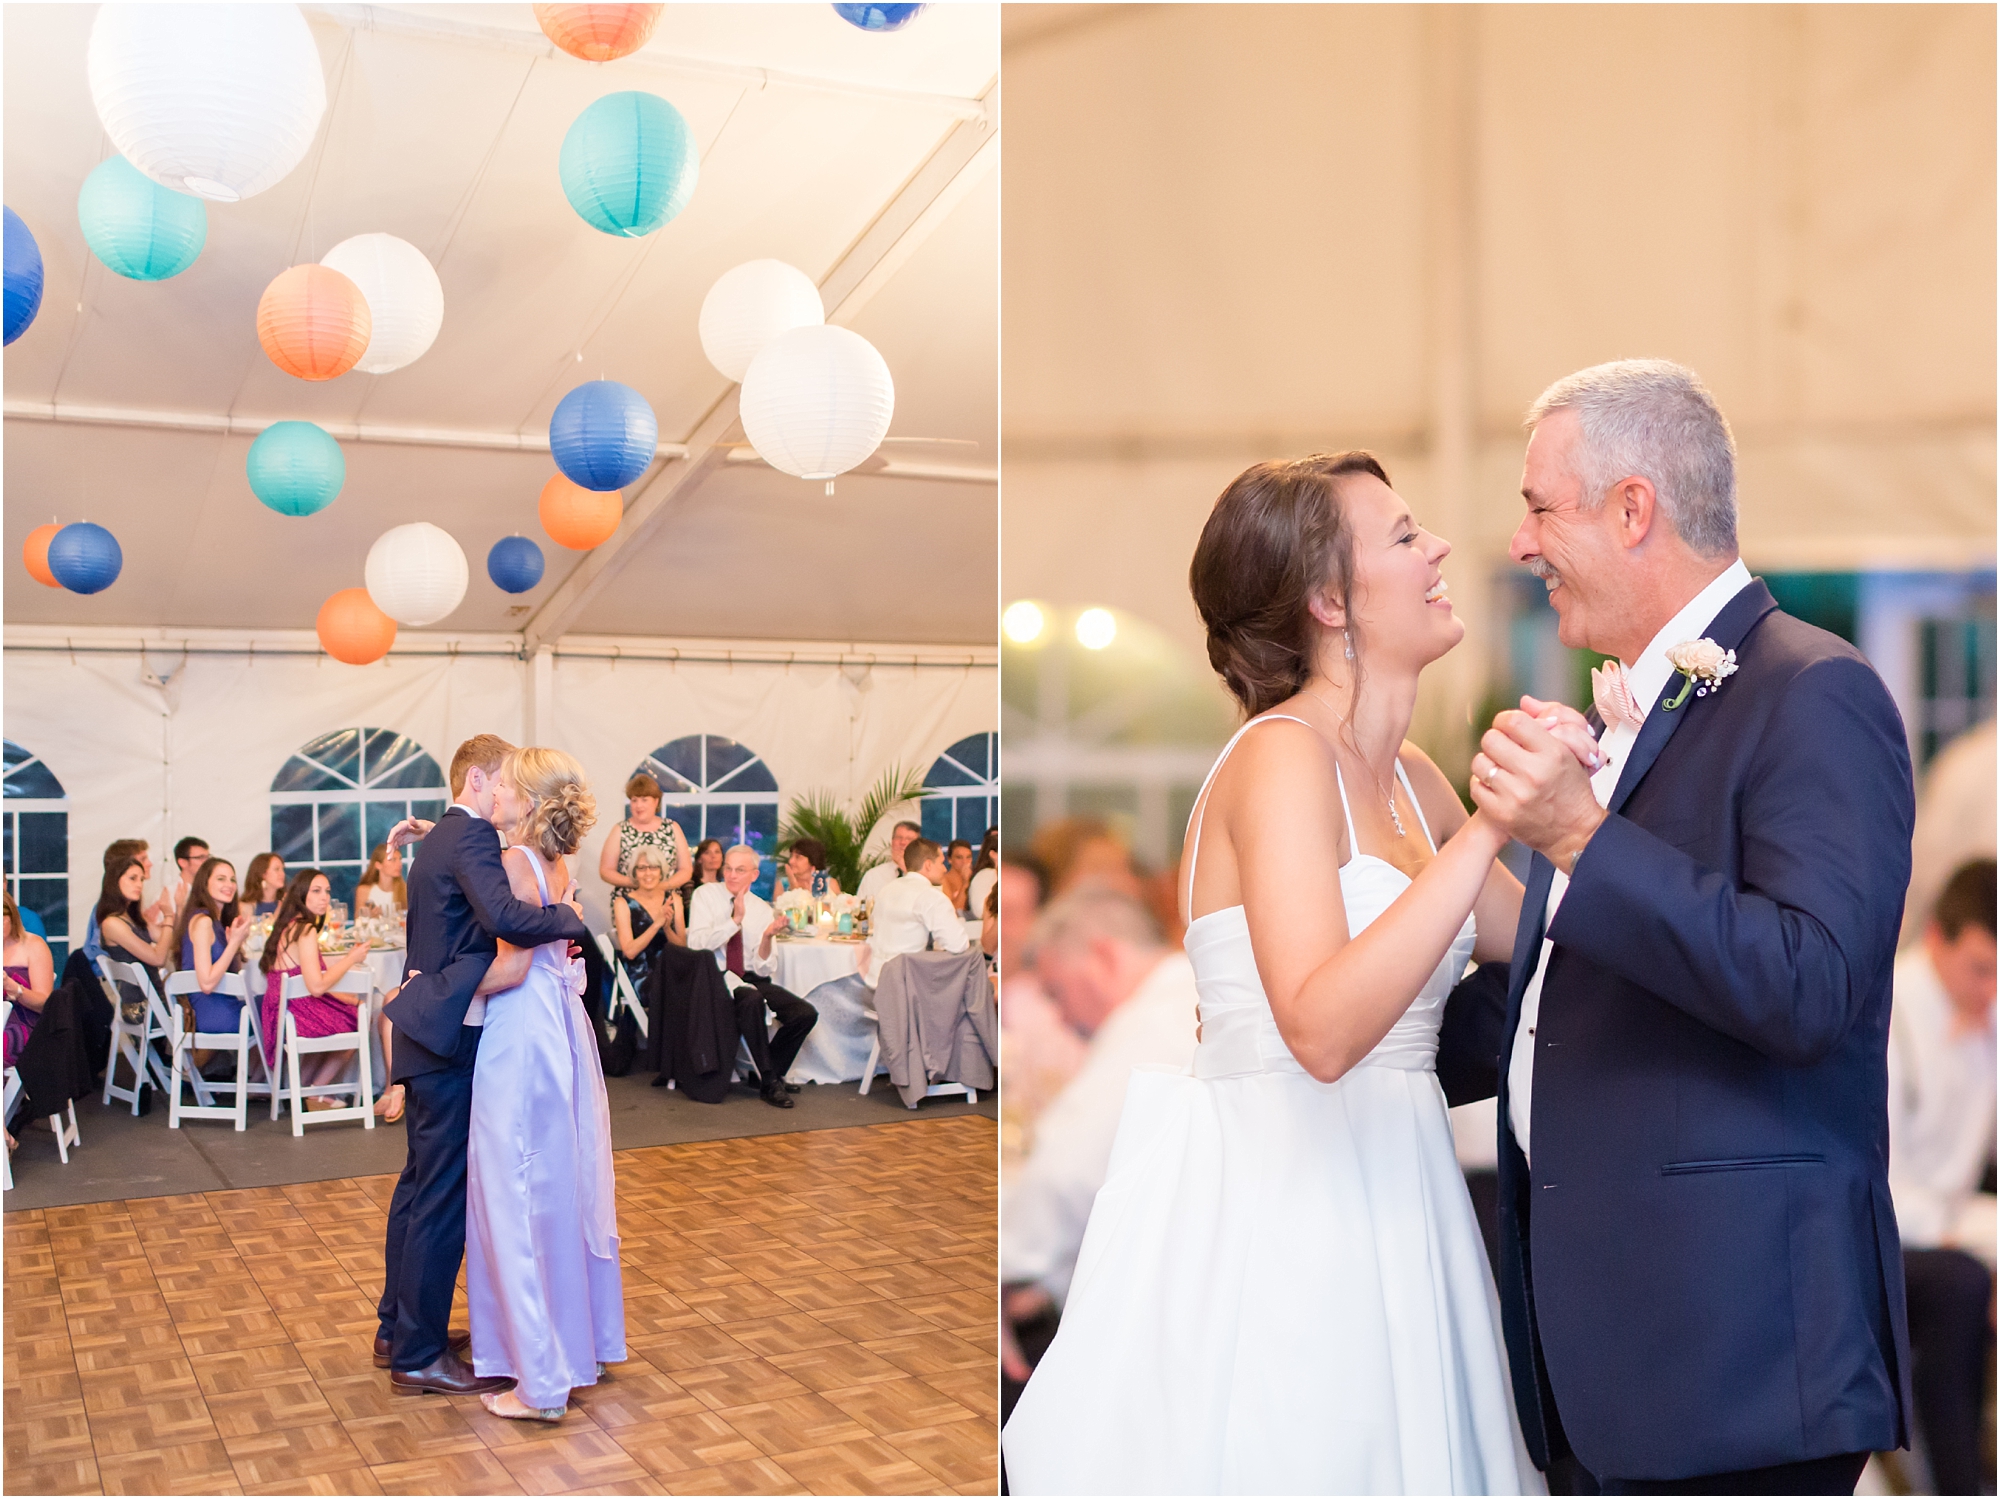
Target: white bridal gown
{"type": "Point", "coordinates": [1283, 1288]}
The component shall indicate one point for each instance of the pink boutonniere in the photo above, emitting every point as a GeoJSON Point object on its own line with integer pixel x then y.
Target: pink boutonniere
{"type": "Point", "coordinates": [1700, 662]}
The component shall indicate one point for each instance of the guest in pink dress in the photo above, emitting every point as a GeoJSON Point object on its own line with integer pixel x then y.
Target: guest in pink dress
{"type": "Point", "coordinates": [293, 948]}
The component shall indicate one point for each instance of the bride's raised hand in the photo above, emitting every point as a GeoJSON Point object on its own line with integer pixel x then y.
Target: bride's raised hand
{"type": "Point", "coordinates": [1568, 728]}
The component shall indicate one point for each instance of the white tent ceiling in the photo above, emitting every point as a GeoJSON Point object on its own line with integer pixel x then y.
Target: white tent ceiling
{"type": "Point", "coordinates": [863, 159]}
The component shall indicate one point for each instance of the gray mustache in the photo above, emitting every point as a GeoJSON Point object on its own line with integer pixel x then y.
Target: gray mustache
{"type": "Point", "coordinates": [1543, 571]}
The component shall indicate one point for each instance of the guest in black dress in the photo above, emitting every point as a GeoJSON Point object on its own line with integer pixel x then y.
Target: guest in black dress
{"type": "Point", "coordinates": [644, 915]}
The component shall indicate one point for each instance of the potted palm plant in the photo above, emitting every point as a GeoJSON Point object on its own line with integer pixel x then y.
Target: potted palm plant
{"type": "Point", "coordinates": [845, 834]}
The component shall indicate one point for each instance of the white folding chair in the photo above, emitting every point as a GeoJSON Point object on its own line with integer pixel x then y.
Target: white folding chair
{"type": "Point", "coordinates": [246, 1041]}
{"type": "Point", "coordinates": [291, 1046]}
{"type": "Point", "coordinates": [66, 1133]}
{"type": "Point", "coordinates": [133, 1039]}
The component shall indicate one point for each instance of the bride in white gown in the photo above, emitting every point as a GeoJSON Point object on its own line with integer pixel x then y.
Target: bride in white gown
{"type": "Point", "coordinates": [1283, 1287]}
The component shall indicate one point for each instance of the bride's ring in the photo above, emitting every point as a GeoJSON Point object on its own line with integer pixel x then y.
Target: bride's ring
{"type": "Point", "coordinates": [1491, 776]}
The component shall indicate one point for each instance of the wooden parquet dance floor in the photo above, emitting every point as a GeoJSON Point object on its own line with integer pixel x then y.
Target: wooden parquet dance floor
{"type": "Point", "coordinates": [805, 1313]}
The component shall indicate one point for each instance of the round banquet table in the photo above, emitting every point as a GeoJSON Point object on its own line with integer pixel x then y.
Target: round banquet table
{"type": "Point", "coordinates": [822, 973]}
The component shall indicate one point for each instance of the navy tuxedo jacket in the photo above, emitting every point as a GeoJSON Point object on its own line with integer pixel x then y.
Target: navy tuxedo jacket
{"type": "Point", "coordinates": [460, 903]}
{"type": "Point", "coordinates": [1705, 1243]}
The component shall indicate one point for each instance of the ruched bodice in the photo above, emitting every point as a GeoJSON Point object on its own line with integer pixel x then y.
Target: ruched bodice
{"type": "Point", "coordinates": [1239, 1034]}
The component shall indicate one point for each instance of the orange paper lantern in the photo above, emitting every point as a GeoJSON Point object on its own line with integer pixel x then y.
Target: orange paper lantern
{"type": "Point", "coordinates": [353, 630]}
{"type": "Point", "coordinates": [579, 518]}
{"type": "Point", "coordinates": [314, 322]}
{"type": "Point", "coordinates": [35, 553]}
{"type": "Point", "coordinates": [598, 33]}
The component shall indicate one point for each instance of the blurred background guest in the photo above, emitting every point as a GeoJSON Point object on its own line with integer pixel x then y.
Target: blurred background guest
{"type": "Point", "coordinates": [645, 916]}
{"type": "Point", "coordinates": [293, 949]}
{"type": "Point", "coordinates": [1098, 954]}
{"type": "Point", "coordinates": [208, 940]}
{"type": "Point", "coordinates": [985, 872]}
{"type": "Point", "coordinates": [1941, 1123]}
{"type": "Point", "coordinates": [806, 858]}
{"type": "Point", "coordinates": [707, 865]}
{"type": "Point", "coordinates": [265, 884]}
{"type": "Point", "coordinates": [1079, 850]}
{"type": "Point", "coordinates": [643, 827]}
{"type": "Point", "coordinates": [1955, 821]}
{"type": "Point", "coordinates": [957, 881]}
{"type": "Point", "coordinates": [1039, 1052]}
{"type": "Point", "coordinates": [30, 979]}
{"type": "Point", "coordinates": [891, 868]}
{"type": "Point", "coordinates": [380, 890]}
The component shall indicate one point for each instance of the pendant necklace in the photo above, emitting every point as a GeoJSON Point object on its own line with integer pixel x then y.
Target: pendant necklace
{"type": "Point", "coordinates": [1388, 792]}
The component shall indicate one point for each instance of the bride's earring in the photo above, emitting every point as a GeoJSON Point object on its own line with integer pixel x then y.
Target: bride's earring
{"type": "Point", "coordinates": [1348, 643]}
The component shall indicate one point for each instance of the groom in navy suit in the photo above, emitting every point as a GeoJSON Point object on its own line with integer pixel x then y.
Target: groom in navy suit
{"type": "Point", "coordinates": [1700, 1275]}
{"type": "Point", "coordinates": [459, 904]}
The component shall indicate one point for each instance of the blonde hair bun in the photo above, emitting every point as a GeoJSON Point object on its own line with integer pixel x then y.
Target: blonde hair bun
{"type": "Point", "coordinates": [561, 807]}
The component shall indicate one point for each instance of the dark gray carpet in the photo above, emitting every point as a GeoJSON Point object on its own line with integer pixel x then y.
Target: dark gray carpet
{"type": "Point", "coordinates": [125, 1157]}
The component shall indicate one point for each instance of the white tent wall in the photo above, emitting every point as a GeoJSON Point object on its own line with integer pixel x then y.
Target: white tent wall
{"type": "Point", "coordinates": [197, 755]}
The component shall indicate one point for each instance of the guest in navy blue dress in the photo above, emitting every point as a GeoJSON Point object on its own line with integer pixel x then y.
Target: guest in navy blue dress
{"type": "Point", "coordinates": [211, 932]}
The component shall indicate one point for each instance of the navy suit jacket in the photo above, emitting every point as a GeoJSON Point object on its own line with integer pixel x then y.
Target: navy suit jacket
{"type": "Point", "coordinates": [1705, 1243]}
{"type": "Point", "coordinates": [460, 903]}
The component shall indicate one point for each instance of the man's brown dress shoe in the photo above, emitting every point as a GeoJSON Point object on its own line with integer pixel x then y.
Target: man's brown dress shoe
{"type": "Point", "coordinates": [447, 1374]}
{"type": "Point", "coordinates": [457, 1340]}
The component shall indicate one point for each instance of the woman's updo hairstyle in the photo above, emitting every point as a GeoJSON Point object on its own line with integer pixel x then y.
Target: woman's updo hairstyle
{"type": "Point", "coordinates": [1277, 536]}
{"type": "Point", "coordinates": [560, 807]}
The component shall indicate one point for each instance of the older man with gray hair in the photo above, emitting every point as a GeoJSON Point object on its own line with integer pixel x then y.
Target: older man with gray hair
{"type": "Point", "coordinates": [1699, 1271]}
{"type": "Point", "coordinates": [738, 926]}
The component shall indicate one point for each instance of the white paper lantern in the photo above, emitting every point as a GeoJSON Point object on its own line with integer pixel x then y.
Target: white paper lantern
{"type": "Point", "coordinates": [416, 573]}
{"type": "Point", "coordinates": [750, 306]}
{"type": "Point", "coordinates": [404, 297]}
{"type": "Point", "coordinates": [817, 401]}
{"type": "Point", "coordinates": [220, 101]}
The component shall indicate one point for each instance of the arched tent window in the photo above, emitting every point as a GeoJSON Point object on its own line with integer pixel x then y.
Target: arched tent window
{"type": "Point", "coordinates": [716, 788]}
{"type": "Point", "coordinates": [339, 796]}
{"type": "Point", "coordinates": [962, 791]}
{"type": "Point", "coordinates": [37, 835]}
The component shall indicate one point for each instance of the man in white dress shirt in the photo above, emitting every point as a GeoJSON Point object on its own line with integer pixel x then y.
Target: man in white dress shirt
{"type": "Point", "coordinates": [738, 926]}
{"type": "Point", "coordinates": [912, 913]}
{"type": "Point", "coordinates": [1097, 953]}
{"type": "Point", "coordinates": [892, 868]}
{"type": "Point", "coordinates": [1941, 1117]}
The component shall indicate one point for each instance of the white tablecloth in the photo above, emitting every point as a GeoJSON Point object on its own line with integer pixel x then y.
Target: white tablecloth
{"type": "Point", "coordinates": [822, 974]}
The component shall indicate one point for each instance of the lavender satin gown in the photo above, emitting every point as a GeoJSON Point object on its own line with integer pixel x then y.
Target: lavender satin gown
{"type": "Point", "coordinates": [542, 1282]}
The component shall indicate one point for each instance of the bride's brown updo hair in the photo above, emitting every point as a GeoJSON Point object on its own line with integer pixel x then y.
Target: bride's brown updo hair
{"type": "Point", "coordinates": [1277, 536]}
{"type": "Point", "coordinates": [560, 807]}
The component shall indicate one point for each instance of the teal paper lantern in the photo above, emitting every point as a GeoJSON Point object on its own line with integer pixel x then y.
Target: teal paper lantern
{"type": "Point", "coordinates": [139, 229]}
{"type": "Point", "coordinates": [629, 164]}
{"type": "Point", "coordinates": [296, 468]}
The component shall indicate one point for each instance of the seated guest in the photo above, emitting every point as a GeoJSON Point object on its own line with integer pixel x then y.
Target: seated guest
{"type": "Point", "coordinates": [890, 869]}
{"type": "Point", "coordinates": [294, 949]}
{"type": "Point", "coordinates": [115, 855]}
{"type": "Point", "coordinates": [738, 925]}
{"type": "Point", "coordinates": [806, 859]}
{"type": "Point", "coordinates": [912, 913]}
{"type": "Point", "coordinates": [989, 923]}
{"type": "Point", "coordinates": [1941, 1120]}
{"type": "Point", "coordinates": [210, 943]}
{"type": "Point", "coordinates": [189, 855]}
{"type": "Point", "coordinates": [985, 871]}
{"type": "Point", "coordinates": [645, 915]}
{"type": "Point", "coordinates": [957, 882]}
{"type": "Point", "coordinates": [1097, 953]}
{"type": "Point", "coordinates": [381, 890]}
{"type": "Point", "coordinates": [644, 828]}
{"type": "Point", "coordinates": [123, 933]}
{"type": "Point", "coordinates": [708, 862]}
{"type": "Point", "coordinates": [265, 884]}
{"type": "Point", "coordinates": [31, 979]}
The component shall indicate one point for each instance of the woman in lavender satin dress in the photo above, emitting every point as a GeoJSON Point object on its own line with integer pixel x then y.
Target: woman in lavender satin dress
{"type": "Point", "coordinates": [542, 1282]}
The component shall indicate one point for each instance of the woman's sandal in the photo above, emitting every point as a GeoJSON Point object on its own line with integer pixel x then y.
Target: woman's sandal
{"type": "Point", "coordinates": [525, 1413]}
{"type": "Point", "coordinates": [390, 1104]}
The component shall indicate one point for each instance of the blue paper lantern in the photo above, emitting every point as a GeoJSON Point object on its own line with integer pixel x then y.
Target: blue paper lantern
{"type": "Point", "coordinates": [515, 564]}
{"type": "Point", "coordinates": [296, 468]}
{"type": "Point", "coordinates": [139, 229]}
{"type": "Point", "coordinates": [603, 435]}
{"type": "Point", "coordinates": [879, 17]}
{"type": "Point", "coordinates": [23, 277]}
{"type": "Point", "coordinates": [628, 164]}
{"type": "Point", "coordinates": [85, 558]}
